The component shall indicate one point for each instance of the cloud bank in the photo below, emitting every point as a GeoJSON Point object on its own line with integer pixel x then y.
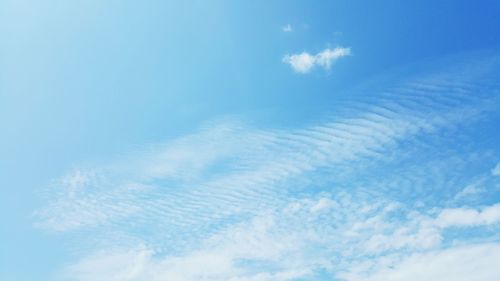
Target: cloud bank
{"type": "Point", "coordinates": [376, 191]}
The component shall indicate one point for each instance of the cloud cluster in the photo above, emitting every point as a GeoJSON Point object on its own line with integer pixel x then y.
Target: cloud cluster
{"type": "Point", "coordinates": [465, 263]}
{"type": "Point", "coordinates": [295, 241]}
{"type": "Point", "coordinates": [360, 195]}
{"type": "Point", "coordinates": [305, 62]}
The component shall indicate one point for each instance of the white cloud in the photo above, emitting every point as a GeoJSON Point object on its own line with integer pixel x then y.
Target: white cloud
{"type": "Point", "coordinates": [139, 264]}
{"type": "Point", "coordinates": [404, 237]}
{"type": "Point", "coordinates": [323, 204]}
{"type": "Point", "coordinates": [305, 62]}
{"type": "Point", "coordinates": [120, 265]}
{"type": "Point", "coordinates": [287, 28]}
{"type": "Point", "coordinates": [248, 168]}
{"type": "Point", "coordinates": [232, 202]}
{"type": "Point", "coordinates": [253, 163]}
{"type": "Point", "coordinates": [301, 63]}
{"type": "Point", "coordinates": [468, 217]}
{"type": "Point", "coordinates": [74, 182]}
{"type": "Point", "coordinates": [295, 244]}
{"type": "Point", "coordinates": [467, 191]}
{"type": "Point", "coordinates": [328, 56]}
{"type": "Point", "coordinates": [219, 257]}
{"type": "Point", "coordinates": [468, 263]}
{"type": "Point", "coordinates": [283, 241]}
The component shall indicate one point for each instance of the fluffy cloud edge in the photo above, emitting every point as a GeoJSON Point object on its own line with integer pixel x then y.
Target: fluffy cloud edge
{"type": "Point", "coordinates": [304, 62]}
{"type": "Point", "coordinates": [463, 263]}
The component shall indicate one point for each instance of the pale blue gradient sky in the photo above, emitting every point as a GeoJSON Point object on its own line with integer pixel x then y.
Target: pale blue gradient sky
{"type": "Point", "coordinates": [189, 98]}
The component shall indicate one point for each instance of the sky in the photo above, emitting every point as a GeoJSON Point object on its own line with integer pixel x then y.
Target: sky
{"type": "Point", "coordinates": [249, 140]}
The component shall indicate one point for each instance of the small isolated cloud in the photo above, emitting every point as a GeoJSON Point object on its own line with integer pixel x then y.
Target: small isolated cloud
{"type": "Point", "coordinates": [287, 28]}
{"type": "Point", "coordinates": [305, 62]}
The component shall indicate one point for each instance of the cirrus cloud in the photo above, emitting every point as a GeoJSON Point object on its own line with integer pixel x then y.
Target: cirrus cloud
{"type": "Point", "coordinates": [369, 193]}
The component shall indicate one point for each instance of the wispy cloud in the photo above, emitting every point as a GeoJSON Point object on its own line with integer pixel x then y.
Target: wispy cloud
{"type": "Point", "coordinates": [294, 242]}
{"type": "Point", "coordinates": [496, 171]}
{"type": "Point", "coordinates": [287, 28]}
{"type": "Point", "coordinates": [469, 190]}
{"type": "Point", "coordinates": [473, 262]}
{"type": "Point", "coordinates": [370, 192]}
{"type": "Point", "coordinates": [305, 62]}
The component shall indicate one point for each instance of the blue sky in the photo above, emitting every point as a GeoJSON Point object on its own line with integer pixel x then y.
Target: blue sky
{"type": "Point", "coordinates": [222, 140]}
